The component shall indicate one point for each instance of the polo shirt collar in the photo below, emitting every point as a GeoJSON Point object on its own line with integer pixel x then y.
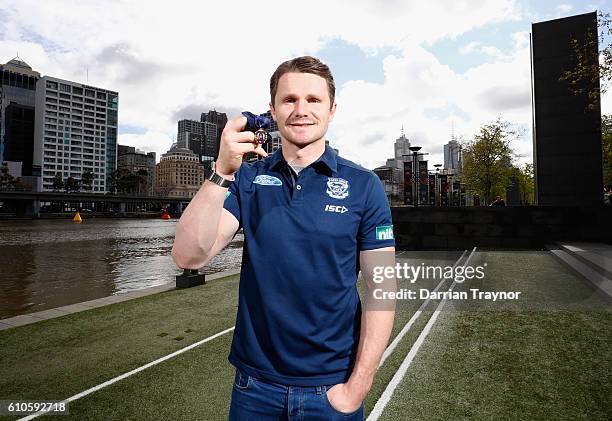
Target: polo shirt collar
{"type": "Point", "coordinates": [328, 159]}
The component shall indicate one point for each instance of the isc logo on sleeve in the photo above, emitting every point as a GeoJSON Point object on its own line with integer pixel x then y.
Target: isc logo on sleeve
{"type": "Point", "coordinates": [384, 232]}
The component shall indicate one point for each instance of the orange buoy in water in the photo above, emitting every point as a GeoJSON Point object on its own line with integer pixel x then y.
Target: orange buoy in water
{"type": "Point", "coordinates": [165, 214]}
{"type": "Point", "coordinates": [77, 218]}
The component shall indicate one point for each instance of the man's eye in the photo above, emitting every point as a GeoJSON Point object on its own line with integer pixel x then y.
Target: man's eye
{"type": "Point", "coordinates": [290, 100]}
{"type": "Point", "coordinates": [314, 100]}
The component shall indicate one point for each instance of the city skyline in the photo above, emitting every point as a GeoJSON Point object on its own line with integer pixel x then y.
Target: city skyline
{"type": "Point", "coordinates": [432, 68]}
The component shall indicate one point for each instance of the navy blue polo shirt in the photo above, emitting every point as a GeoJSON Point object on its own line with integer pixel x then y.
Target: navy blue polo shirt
{"type": "Point", "coordinates": [299, 311]}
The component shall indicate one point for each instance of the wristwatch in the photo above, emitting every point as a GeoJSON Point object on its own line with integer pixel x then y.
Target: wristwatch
{"type": "Point", "coordinates": [217, 179]}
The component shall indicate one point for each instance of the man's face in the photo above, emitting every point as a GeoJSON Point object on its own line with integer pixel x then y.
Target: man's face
{"type": "Point", "coordinates": [302, 108]}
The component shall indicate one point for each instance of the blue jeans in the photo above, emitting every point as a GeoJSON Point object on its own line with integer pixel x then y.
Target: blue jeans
{"type": "Point", "coordinates": [254, 399]}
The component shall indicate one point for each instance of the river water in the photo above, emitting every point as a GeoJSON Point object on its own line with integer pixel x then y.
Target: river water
{"type": "Point", "coordinates": [51, 263]}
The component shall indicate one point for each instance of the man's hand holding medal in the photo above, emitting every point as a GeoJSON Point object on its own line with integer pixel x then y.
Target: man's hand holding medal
{"type": "Point", "coordinates": [246, 133]}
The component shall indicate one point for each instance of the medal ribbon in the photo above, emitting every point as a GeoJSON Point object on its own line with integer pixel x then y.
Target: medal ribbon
{"type": "Point", "coordinates": [256, 122]}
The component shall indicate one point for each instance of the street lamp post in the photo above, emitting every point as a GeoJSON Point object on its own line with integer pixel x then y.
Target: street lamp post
{"type": "Point", "coordinates": [437, 188]}
{"type": "Point", "coordinates": [415, 171]}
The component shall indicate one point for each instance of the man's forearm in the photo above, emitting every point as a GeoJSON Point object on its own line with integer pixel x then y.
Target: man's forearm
{"type": "Point", "coordinates": [197, 229]}
{"type": "Point", "coordinates": [376, 326]}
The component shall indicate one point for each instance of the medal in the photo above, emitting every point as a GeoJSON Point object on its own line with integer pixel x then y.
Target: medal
{"type": "Point", "coordinates": [261, 136]}
{"type": "Point", "coordinates": [258, 124]}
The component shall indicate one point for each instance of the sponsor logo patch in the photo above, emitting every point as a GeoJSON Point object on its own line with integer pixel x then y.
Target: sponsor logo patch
{"type": "Point", "coordinates": [267, 180]}
{"type": "Point", "coordinates": [384, 232]}
{"type": "Point", "coordinates": [337, 188]}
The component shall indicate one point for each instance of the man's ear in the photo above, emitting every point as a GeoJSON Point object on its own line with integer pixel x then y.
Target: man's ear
{"type": "Point", "coordinates": [272, 111]}
{"type": "Point", "coordinates": [332, 112]}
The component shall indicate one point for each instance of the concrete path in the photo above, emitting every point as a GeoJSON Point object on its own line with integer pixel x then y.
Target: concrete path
{"type": "Point", "coordinates": [591, 260]}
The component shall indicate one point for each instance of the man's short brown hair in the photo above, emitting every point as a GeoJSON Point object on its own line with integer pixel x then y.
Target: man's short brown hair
{"type": "Point", "coordinates": [304, 64]}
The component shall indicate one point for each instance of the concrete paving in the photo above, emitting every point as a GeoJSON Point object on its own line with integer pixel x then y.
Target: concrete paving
{"type": "Point", "coordinates": [591, 260]}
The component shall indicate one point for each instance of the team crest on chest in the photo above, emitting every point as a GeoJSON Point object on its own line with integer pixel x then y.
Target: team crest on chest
{"type": "Point", "coordinates": [337, 188]}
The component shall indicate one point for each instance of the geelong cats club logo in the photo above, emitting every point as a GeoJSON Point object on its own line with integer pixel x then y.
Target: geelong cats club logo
{"type": "Point", "coordinates": [337, 188]}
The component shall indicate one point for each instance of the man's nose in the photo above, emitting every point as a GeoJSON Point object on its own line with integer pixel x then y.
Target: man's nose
{"type": "Point", "coordinates": [301, 108]}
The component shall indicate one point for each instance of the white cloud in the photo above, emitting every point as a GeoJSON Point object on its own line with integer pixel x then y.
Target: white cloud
{"type": "Point", "coordinates": [165, 58]}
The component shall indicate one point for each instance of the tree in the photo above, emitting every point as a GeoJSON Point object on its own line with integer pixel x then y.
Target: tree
{"type": "Point", "coordinates": [72, 184]}
{"type": "Point", "coordinates": [7, 181]}
{"type": "Point", "coordinates": [125, 181]}
{"type": "Point", "coordinates": [58, 182]}
{"type": "Point", "coordinates": [586, 69]}
{"type": "Point", "coordinates": [606, 149]}
{"type": "Point", "coordinates": [524, 176]}
{"type": "Point", "coordinates": [87, 178]}
{"type": "Point", "coordinates": [118, 180]}
{"type": "Point", "coordinates": [142, 176]}
{"type": "Point", "coordinates": [487, 160]}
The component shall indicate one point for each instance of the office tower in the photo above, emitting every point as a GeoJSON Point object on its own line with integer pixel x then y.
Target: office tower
{"type": "Point", "coordinates": [452, 157]}
{"type": "Point", "coordinates": [17, 104]}
{"type": "Point", "coordinates": [135, 160]}
{"type": "Point", "coordinates": [219, 120]}
{"type": "Point", "coordinates": [401, 147]}
{"type": "Point", "coordinates": [179, 173]}
{"type": "Point", "coordinates": [200, 137]}
{"type": "Point", "coordinates": [75, 130]}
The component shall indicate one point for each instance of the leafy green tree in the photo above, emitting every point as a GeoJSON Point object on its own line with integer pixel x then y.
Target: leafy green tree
{"type": "Point", "coordinates": [118, 180]}
{"type": "Point", "coordinates": [524, 176]}
{"type": "Point", "coordinates": [606, 149]}
{"type": "Point", "coordinates": [587, 69]}
{"type": "Point", "coordinates": [584, 73]}
{"type": "Point", "coordinates": [7, 181]}
{"type": "Point", "coordinates": [58, 182]}
{"type": "Point", "coordinates": [87, 178]}
{"type": "Point", "coordinates": [72, 184]}
{"type": "Point", "coordinates": [487, 160]}
{"type": "Point", "coordinates": [142, 176]}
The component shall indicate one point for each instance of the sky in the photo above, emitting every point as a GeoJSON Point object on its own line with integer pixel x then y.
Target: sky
{"type": "Point", "coordinates": [435, 68]}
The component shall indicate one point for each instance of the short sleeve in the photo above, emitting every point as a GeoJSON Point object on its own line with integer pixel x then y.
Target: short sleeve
{"type": "Point", "coordinates": [376, 227]}
{"type": "Point", "coordinates": [232, 198]}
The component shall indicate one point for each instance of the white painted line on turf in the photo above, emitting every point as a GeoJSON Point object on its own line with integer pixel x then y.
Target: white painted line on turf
{"type": "Point", "coordinates": [129, 373]}
{"type": "Point", "coordinates": [415, 316]}
{"type": "Point", "coordinates": [399, 375]}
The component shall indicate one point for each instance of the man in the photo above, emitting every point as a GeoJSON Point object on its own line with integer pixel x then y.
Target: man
{"type": "Point", "coordinates": [498, 202]}
{"type": "Point", "coordinates": [302, 347]}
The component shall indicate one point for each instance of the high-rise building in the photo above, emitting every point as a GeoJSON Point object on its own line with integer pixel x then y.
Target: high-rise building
{"type": "Point", "coordinates": [219, 120]}
{"type": "Point", "coordinates": [17, 104]}
{"type": "Point", "coordinates": [452, 157]}
{"type": "Point", "coordinates": [393, 170]}
{"type": "Point", "coordinates": [401, 147]}
{"type": "Point", "coordinates": [75, 130]}
{"type": "Point", "coordinates": [200, 137]}
{"type": "Point", "coordinates": [179, 173]}
{"type": "Point", "coordinates": [135, 160]}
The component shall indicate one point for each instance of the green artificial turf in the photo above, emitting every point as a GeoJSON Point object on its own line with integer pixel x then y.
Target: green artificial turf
{"type": "Point", "coordinates": [517, 363]}
{"type": "Point", "coordinates": [485, 363]}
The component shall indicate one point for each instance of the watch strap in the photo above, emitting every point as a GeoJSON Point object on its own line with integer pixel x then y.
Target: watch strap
{"type": "Point", "coordinates": [217, 179]}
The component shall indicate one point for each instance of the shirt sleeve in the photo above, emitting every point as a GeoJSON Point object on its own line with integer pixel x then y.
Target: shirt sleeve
{"type": "Point", "coordinates": [232, 198]}
{"type": "Point", "coordinates": [376, 227]}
